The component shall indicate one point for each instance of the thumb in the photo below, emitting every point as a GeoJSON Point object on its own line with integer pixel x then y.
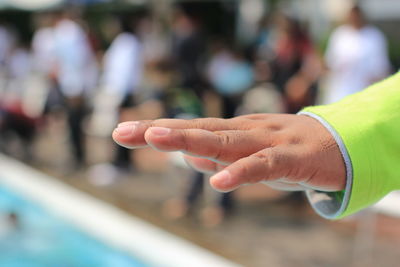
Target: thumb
{"type": "Point", "coordinates": [269, 164]}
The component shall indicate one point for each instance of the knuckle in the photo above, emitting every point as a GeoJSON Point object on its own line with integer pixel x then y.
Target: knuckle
{"type": "Point", "coordinates": [196, 123]}
{"type": "Point", "coordinates": [295, 140]}
{"type": "Point", "coordinates": [263, 159]}
{"type": "Point", "coordinates": [275, 159]}
{"type": "Point", "coordinates": [184, 139]}
{"type": "Point", "coordinates": [242, 123]}
{"type": "Point", "coordinates": [204, 123]}
{"type": "Point", "coordinates": [274, 127]}
{"type": "Point", "coordinates": [255, 117]}
{"type": "Point", "coordinates": [158, 122]}
{"type": "Point", "coordinates": [244, 171]}
{"type": "Point", "coordinates": [224, 141]}
{"type": "Point", "coordinates": [272, 161]}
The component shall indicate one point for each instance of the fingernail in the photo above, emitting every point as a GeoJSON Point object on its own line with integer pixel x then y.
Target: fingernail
{"type": "Point", "coordinates": [223, 179]}
{"type": "Point", "coordinates": [125, 123]}
{"type": "Point", "coordinates": [125, 130]}
{"type": "Point", "coordinates": [160, 131]}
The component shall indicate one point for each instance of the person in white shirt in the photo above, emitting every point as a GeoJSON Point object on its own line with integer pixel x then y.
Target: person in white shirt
{"type": "Point", "coordinates": [6, 41]}
{"type": "Point", "coordinates": [356, 57]}
{"type": "Point", "coordinates": [122, 64]}
{"type": "Point", "coordinates": [43, 45]}
{"type": "Point", "coordinates": [122, 77]}
{"type": "Point", "coordinates": [75, 59]}
{"type": "Point", "coordinates": [44, 68]}
{"type": "Point", "coordinates": [76, 75]}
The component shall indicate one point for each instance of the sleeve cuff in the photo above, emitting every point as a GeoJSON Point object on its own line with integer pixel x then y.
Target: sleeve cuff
{"type": "Point", "coordinates": [331, 205]}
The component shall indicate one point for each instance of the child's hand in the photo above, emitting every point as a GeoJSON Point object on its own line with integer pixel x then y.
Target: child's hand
{"type": "Point", "coordinates": [290, 152]}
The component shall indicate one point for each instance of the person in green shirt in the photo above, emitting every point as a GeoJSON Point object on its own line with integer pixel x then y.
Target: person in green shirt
{"type": "Point", "coordinates": [344, 155]}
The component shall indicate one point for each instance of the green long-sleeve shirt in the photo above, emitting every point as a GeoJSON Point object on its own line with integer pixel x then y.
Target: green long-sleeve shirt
{"type": "Point", "coordinates": [366, 127]}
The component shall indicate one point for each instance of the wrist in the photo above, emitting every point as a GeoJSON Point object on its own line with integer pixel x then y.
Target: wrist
{"type": "Point", "coordinates": [332, 205]}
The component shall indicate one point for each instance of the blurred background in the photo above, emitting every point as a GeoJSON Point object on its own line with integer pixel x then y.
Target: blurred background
{"type": "Point", "coordinates": [71, 70]}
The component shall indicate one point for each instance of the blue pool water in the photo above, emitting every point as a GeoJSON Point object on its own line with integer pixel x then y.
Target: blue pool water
{"type": "Point", "coordinates": [44, 240]}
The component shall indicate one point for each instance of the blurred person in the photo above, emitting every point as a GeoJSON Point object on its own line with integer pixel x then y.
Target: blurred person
{"type": "Point", "coordinates": [184, 104]}
{"type": "Point", "coordinates": [294, 62]}
{"type": "Point", "coordinates": [188, 50]}
{"type": "Point", "coordinates": [19, 66]}
{"type": "Point", "coordinates": [264, 97]}
{"type": "Point", "coordinates": [344, 155]}
{"type": "Point", "coordinates": [122, 75]}
{"type": "Point", "coordinates": [6, 42]}
{"type": "Point", "coordinates": [123, 63]}
{"type": "Point", "coordinates": [15, 102]}
{"type": "Point", "coordinates": [186, 204]}
{"type": "Point", "coordinates": [44, 65]}
{"type": "Point", "coordinates": [222, 65]}
{"type": "Point", "coordinates": [76, 74]}
{"type": "Point", "coordinates": [43, 44]}
{"type": "Point", "coordinates": [123, 93]}
{"type": "Point", "coordinates": [231, 75]}
{"type": "Point", "coordinates": [154, 40]}
{"type": "Point", "coordinates": [356, 56]}
{"type": "Point", "coordinates": [295, 68]}
{"type": "Point", "coordinates": [262, 46]}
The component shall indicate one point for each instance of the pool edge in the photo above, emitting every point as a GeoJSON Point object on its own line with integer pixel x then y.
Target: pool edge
{"type": "Point", "coordinates": [123, 231]}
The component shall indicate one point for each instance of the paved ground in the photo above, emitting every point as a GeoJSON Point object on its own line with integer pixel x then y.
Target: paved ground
{"type": "Point", "coordinates": [263, 231]}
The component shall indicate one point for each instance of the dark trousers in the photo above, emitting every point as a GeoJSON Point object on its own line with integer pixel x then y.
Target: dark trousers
{"type": "Point", "coordinates": [22, 126]}
{"type": "Point", "coordinates": [123, 157]}
{"type": "Point", "coordinates": [75, 116]}
{"type": "Point", "coordinates": [196, 189]}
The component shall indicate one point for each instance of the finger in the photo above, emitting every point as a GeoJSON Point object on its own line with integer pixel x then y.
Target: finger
{"type": "Point", "coordinates": [211, 124]}
{"type": "Point", "coordinates": [203, 165]}
{"type": "Point", "coordinates": [221, 147]}
{"type": "Point", "coordinates": [131, 134]}
{"type": "Point", "coordinates": [267, 165]}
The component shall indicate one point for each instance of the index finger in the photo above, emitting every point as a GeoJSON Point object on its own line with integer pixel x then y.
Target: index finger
{"type": "Point", "coordinates": [131, 134]}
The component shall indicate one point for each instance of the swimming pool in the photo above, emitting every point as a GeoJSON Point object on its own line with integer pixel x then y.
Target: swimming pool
{"type": "Point", "coordinates": [42, 239]}
{"type": "Point", "coordinates": [62, 226]}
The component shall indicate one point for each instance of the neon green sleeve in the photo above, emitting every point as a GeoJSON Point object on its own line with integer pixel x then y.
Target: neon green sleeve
{"type": "Point", "coordinates": [366, 127]}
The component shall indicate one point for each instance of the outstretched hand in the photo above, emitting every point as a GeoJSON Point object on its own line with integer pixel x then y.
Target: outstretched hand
{"type": "Point", "coordinates": [288, 152]}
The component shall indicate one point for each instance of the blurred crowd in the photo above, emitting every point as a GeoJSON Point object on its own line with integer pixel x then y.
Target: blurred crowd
{"type": "Point", "coordinates": [139, 67]}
